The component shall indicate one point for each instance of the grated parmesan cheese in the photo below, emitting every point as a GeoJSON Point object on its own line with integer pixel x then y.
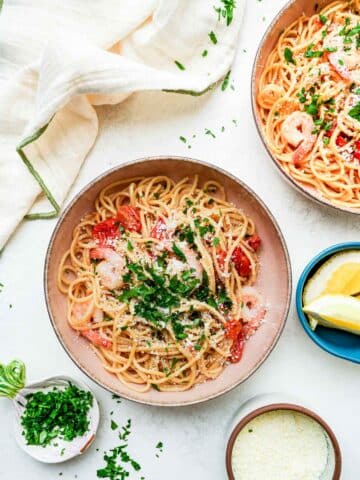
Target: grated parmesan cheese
{"type": "Point", "coordinates": [280, 445]}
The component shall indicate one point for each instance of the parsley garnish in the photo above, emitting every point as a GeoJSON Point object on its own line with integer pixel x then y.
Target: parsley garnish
{"type": "Point", "coordinates": [226, 80]}
{"type": "Point", "coordinates": [213, 37]}
{"type": "Point", "coordinates": [179, 65]}
{"type": "Point", "coordinates": [56, 414]}
{"type": "Point", "coordinates": [288, 55]}
{"type": "Point", "coordinates": [227, 11]}
{"type": "Point", "coordinates": [323, 19]}
{"type": "Point", "coordinates": [178, 252]}
{"type": "Point", "coordinates": [355, 112]}
{"type": "Point", "coordinates": [310, 53]}
{"type": "Point", "coordinates": [116, 457]}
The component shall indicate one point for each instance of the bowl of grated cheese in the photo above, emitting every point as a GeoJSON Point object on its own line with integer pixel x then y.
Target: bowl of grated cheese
{"type": "Point", "coordinates": [281, 440]}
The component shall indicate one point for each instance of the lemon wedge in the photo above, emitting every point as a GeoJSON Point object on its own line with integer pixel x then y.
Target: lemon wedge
{"type": "Point", "coordinates": [340, 274]}
{"type": "Point", "coordinates": [336, 311]}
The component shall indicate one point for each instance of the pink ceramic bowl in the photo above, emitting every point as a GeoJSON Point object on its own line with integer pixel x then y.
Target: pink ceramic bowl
{"type": "Point", "coordinates": [274, 280]}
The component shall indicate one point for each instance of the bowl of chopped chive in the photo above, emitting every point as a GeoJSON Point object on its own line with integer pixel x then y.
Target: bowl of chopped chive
{"type": "Point", "coordinates": [114, 357]}
{"type": "Point", "coordinates": [55, 419]}
{"type": "Point", "coordinates": [306, 99]}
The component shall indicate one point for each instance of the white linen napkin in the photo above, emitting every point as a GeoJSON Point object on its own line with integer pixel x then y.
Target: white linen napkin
{"type": "Point", "coordinates": [58, 58]}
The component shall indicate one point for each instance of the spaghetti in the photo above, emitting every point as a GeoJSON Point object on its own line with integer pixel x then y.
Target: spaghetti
{"type": "Point", "coordinates": [159, 279]}
{"type": "Point", "coordinates": [309, 102]}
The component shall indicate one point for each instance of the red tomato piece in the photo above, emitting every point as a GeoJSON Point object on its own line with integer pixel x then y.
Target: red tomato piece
{"type": "Point", "coordinates": [97, 339]}
{"type": "Point", "coordinates": [254, 242]}
{"type": "Point", "coordinates": [237, 348]}
{"type": "Point", "coordinates": [341, 141]}
{"type": "Point", "coordinates": [241, 262]}
{"type": "Point", "coordinates": [105, 231]}
{"type": "Point", "coordinates": [159, 230]}
{"type": "Point", "coordinates": [331, 131]}
{"type": "Point", "coordinates": [232, 329]}
{"type": "Point", "coordinates": [357, 154]}
{"type": "Point", "coordinates": [221, 255]}
{"type": "Point", "coordinates": [129, 218]}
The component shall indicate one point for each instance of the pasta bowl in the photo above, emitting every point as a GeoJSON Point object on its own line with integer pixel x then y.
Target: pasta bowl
{"type": "Point", "coordinates": [274, 280]}
{"type": "Point", "coordinates": [292, 11]}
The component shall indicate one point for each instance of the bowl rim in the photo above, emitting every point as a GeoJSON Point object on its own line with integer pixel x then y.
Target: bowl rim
{"type": "Point", "coordinates": [282, 406]}
{"type": "Point", "coordinates": [339, 247]}
{"type": "Point", "coordinates": [300, 188]}
{"type": "Point", "coordinates": [196, 162]}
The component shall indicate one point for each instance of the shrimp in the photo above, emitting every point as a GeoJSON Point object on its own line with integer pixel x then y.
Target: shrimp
{"type": "Point", "coordinates": [253, 312]}
{"type": "Point", "coordinates": [297, 130]}
{"type": "Point", "coordinates": [84, 312]}
{"type": "Point", "coordinates": [176, 266]}
{"type": "Point", "coordinates": [346, 65]}
{"type": "Point", "coordinates": [111, 269]}
{"type": "Point", "coordinates": [193, 262]}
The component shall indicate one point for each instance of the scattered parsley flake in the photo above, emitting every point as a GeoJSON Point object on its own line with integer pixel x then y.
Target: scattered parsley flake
{"type": "Point", "coordinates": [213, 37]}
{"type": "Point", "coordinates": [288, 55]}
{"type": "Point", "coordinates": [204, 53]}
{"type": "Point", "coordinates": [114, 425]}
{"type": "Point", "coordinates": [209, 132]}
{"type": "Point", "coordinates": [179, 65]}
{"type": "Point", "coordinates": [226, 80]}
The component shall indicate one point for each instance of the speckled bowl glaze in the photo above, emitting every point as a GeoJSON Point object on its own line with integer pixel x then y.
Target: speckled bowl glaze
{"type": "Point", "coordinates": [337, 342]}
{"type": "Point", "coordinates": [276, 401]}
{"type": "Point", "coordinates": [291, 12]}
{"type": "Point", "coordinates": [274, 280]}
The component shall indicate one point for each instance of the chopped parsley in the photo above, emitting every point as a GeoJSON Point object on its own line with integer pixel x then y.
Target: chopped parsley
{"type": "Point", "coordinates": [355, 112]}
{"type": "Point", "coordinates": [204, 53]}
{"type": "Point", "coordinates": [183, 139]}
{"type": "Point", "coordinates": [310, 53]}
{"type": "Point", "coordinates": [226, 11]}
{"type": "Point", "coordinates": [114, 425]}
{"type": "Point", "coordinates": [226, 80]}
{"type": "Point", "coordinates": [58, 413]}
{"type": "Point", "coordinates": [178, 252]}
{"type": "Point", "coordinates": [118, 459]}
{"type": "Point", "coordinates": [209, 132]}
{"type": "Point", "coordinates": [216, 241]}
{"type": "Point", "coordinates": [323, 19]}
{"type": "Point", "coordinates": [288, 55]}
{"type": "Point", "coordinates": [213, 37]}
{"type": "Point", "coordinates": [179, 65]}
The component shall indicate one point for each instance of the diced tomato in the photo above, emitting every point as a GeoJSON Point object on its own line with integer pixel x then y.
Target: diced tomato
{"type": "Point", "coordinates": [241, 262]}
{"type": "Point", "coordinates": [232, 329]}
{"type": "Point", "coordinates": [97, 339]}
{"type": "Point", "coordinates": [341, 141]}
{"type": "Point", "coordinates": [331, 131]}
{"type": "Point", "coordinates": [221, 255]}
{"type": "Point", "coordinates": [129, 218]}
{"type": "Point", "coordinates": [105, 231]}
{"type": "Point", "coordinates": [254, 242]}
{"type": "Point", "coordinates": [318, 23]}
{"type": "Point", "coordinates": [237, 348]}
{"type": "Point", "coordinates": [357, 150]}
{"type": "Point", "coordinates": [159, 229]}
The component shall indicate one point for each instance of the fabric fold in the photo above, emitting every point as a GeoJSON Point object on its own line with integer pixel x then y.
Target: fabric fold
{"type": "Point", "coordinates": [82, 55]}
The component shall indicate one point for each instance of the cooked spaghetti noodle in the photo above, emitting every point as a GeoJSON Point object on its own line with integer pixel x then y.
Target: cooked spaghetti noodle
{"type": "Point", "coordinates": [158, 279]}
{"type": "Point", "coordinates": [309, 102]}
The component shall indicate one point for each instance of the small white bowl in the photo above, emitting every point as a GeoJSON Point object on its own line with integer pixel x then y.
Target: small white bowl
{"type": "Point", "coordinates": [64, 450]}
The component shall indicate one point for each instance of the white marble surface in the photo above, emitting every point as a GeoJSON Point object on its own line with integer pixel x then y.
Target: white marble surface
{"type": "Point", "coordinates": [193, 437]}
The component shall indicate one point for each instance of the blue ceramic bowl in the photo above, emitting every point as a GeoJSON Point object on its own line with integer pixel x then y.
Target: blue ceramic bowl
{"type": "Point", "coordinates": [337, 342]}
